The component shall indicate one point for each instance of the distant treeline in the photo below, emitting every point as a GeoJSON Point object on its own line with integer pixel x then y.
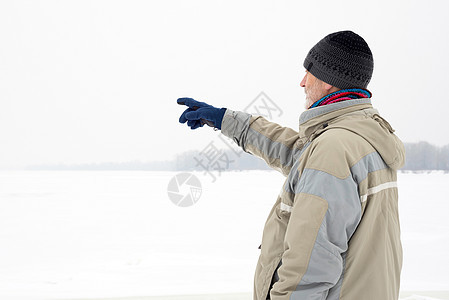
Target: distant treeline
{"type": "Point", "coordinates": [192, 160]}
{"type": "Point", "coordinates": [419, 156]}
{"type": "Point", "coordinates": [424, 156]}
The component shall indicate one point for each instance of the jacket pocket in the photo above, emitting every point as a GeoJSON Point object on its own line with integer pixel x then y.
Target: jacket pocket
{"type": "Point", "coordinates": [264, 275]}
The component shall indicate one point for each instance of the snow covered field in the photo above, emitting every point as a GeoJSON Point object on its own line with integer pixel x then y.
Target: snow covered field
{"type": "Point", "coordinates": [108, 234]}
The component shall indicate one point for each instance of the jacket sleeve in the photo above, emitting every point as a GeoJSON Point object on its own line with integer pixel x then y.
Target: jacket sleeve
{"type": "Point", "coordinates": [275, 144]}
{"type": "Point", "coordinates": [325, 213]}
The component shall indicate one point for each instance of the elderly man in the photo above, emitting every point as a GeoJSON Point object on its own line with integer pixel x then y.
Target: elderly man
{"type": "Point", "coordinates": [333, 232]}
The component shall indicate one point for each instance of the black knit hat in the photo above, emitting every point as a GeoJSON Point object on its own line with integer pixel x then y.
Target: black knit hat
{"type": "Point", "coordinates": [342, 59]}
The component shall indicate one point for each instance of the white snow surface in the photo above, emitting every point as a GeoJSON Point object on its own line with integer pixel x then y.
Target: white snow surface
{"type": "Point", "coordinates": [99, 234]}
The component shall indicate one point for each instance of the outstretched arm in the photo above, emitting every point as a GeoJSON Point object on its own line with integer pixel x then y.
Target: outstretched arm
{"type": "Point", "coordinates": [275, 144]}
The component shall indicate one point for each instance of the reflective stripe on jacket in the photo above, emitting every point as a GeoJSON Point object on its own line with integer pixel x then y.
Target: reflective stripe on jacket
{"type": "Point", "coordinates": [333, 232]}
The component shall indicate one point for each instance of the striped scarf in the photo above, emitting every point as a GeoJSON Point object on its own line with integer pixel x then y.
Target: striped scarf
{"type": "Point", "coordinates": [342, 95]}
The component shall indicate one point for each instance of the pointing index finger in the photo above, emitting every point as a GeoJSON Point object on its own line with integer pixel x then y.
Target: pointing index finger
{"type": "Point", "coordinates": [186, 101]}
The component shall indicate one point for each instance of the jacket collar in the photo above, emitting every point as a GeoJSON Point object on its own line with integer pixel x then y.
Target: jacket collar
{"type": "Point", "coordinates": [313, 119]}
{"type": "Point", "coordinates": [321, 110]}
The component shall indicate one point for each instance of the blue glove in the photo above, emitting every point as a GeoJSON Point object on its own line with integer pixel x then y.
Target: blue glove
{"type": "Point", "coordinates": [200, 113]}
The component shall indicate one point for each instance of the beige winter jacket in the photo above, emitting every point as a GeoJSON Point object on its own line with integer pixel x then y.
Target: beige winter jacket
{"type": "Point", "coordinates": [333, 232]}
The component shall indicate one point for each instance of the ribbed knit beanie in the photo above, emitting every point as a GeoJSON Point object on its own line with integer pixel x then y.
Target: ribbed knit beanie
{"type": "Point", "coordinates": [342, 59]}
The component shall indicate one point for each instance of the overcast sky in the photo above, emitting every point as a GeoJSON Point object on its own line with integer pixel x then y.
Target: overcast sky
{"type": "Point", "coordinates": [97, 81]}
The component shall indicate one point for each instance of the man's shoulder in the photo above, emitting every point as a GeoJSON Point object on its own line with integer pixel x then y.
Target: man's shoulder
{"type": "Point", "coordinates": [340, 139]}
{"type": "Point", "coordinates": [336, 150]}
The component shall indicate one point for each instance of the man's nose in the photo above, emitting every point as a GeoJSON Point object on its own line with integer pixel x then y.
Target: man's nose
{"type": "Point", "coordinates": [303, 82]}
